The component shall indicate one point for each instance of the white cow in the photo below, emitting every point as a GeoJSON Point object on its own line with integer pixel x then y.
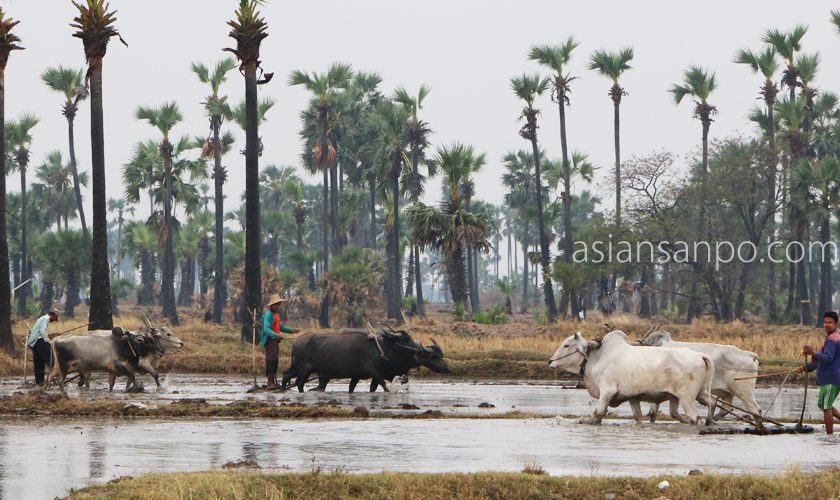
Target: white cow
{"type": "Point", "coordinates": [615, 372]}
{"type": "Point", "coordinates": [731, 363]}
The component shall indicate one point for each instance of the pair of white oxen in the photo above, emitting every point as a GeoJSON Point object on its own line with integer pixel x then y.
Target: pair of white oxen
{"type": "Point", "coordinates": [657, 370]}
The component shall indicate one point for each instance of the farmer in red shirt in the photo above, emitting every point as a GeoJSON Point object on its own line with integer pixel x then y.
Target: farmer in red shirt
{"type": "Point", "coordinates": [272, 327]}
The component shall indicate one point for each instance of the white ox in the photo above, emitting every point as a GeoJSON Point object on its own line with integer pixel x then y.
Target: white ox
{"type": "Point", "coordinates": [616, 371]}
{"type": "Point", "coordinates": [731, 363]}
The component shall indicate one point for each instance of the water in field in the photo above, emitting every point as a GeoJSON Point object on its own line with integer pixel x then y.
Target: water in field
{"type": "Point", "coordinates": [453, 397]}
{"type": "Point", "coordinates": [42, 458]}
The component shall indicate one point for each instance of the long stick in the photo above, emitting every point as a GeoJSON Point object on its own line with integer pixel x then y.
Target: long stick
{"type": "Point", "coordinates": [71, 330]}
{"type": "Point", "coordinates": [805, 399]}
{"type": "Point", "coordinates": [767, 411]}
{"type": "Point", "coordinates": [25, 349]}
{"type": "Point", "coordinates": [254, 344]}
{"type": "Point", "coordinates": [765, 375]}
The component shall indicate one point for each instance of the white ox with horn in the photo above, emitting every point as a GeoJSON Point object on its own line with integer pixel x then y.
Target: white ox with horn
{"type": "Point", "coordinates": [731, 364]}
{"type": "Point", "coordinates": [614, 371]}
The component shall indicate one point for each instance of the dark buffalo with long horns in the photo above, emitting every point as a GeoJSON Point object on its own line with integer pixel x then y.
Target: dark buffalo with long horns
{"type": "Point", "coordinates": [360, 355]}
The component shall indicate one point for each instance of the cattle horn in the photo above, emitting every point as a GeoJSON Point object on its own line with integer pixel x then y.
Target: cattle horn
{"type": "Point", "coordinates": [434, 343]}
{"type": "Point", "coordinates": [608, 327]}
{"type": "Point", "coordinates": [652, 329]}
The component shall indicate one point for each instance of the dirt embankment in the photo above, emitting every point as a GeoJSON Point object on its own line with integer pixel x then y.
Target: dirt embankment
{"type": "Point", "coordinates": [516, 350]}
{"type": "Point", "coordinates": [531, 483]}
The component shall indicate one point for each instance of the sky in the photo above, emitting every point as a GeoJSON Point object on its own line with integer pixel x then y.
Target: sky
{"type": "Point", "coordinates": [466, 51]}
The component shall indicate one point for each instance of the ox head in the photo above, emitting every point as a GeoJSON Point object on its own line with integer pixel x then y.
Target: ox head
{"type": "Point", "coordinates": [570, 356]}
{"type": "Point", "coordinates": [166, 340]}
{"type": "Point", "coordinates": [429, 356]}
{"type": "Point", "coordinates": [658, 339]}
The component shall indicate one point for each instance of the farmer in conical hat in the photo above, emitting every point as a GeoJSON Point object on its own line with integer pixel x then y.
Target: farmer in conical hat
{"type": "Point", "coordinates": [272, 327]}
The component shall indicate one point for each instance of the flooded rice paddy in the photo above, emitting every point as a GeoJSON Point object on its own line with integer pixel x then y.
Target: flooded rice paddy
{"type": "Point", "coordinates": [45, 457]}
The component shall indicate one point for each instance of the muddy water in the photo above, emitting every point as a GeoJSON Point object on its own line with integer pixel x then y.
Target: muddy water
{"type": "Point", "coordinates": [44, 458]}
{"type": "Point", "coordinates": [457, 397]}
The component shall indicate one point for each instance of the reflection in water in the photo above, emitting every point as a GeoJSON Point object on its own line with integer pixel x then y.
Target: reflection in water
{"type": "Point", "coordinates": [130, 447]}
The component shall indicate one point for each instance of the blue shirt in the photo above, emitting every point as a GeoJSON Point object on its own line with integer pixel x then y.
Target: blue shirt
{"type": "Point", "coordinates": [39, 331]}
{"type": "Point", "coordinates": [827, 361]}
{"type": "Point", "coordinates": [268, 320]}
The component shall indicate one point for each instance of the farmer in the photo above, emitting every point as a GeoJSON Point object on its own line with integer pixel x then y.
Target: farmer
{"type": "Point", "coordinates": [39, 341]}
{"type": "Point", "coordinates": [272, 326]}
{"type": "Point", "coordinates": [827, 364]}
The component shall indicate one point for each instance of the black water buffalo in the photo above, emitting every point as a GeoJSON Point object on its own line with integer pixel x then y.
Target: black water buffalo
{"type": "Point", "coordinates": [118, 354]}
{"type": "Point", "coordinates": [358, 355]}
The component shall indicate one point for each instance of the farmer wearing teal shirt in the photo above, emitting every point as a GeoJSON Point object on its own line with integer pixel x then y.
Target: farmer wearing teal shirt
{"type": "Point", "coordinates": [272, 327]}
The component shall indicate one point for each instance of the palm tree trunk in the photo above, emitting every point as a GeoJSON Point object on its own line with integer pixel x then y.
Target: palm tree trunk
{"type": "Point", "coordinates": [545, 252]}
{"type": "Point", "coordinates": [567, 216]}
{"type": "Point", "coordinates": [253, 281]}
{"type": "Point", "coordinates": [324, 318]}
{"type": "Point", "coordinates": [23, 293]}
{"type": "Point", "coordinates": [825, 267]}
{"type": "Point", "coordinates": [525, 283]}
{"type": "Point", "coordinates": [167, 291]}
{"type": "Point", "coordinates": [771, 221]}
{"type": "Point", "coordinates": [100, 315]}
{"type": "Point", "coordinates": [218, 178]}
{"type": "Point", "coordinates": [396, 293]}
{"type": "Point", "coordinates": [372, 239]}
{"type": "Point", "coordinates": [693, 307]}
{"type": "Point", "coordinates": [457, 278]}
{"type": "Point", "coordinates": [74, 169]}
{"type": "Point", "coordinates": [802, 284]}
{"type": "Point", "coordinates": [336, 230]}
{"type": "Point", "coordinates": [6, 339]}
{"type": "Point", "coordinates": [147, 279]}
{"type": "Point", "coordinates": [418, 281]}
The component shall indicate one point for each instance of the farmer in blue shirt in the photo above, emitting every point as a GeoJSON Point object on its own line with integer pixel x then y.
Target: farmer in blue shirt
{"type": "Point", "coordinates": [272, 327]}
{"type": "Point", "coordinates": [827, 364]}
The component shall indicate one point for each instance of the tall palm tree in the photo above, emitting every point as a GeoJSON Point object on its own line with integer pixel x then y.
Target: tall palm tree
{"type": "Point", "coordinates": [449, 228]}
{"type": "Point", "coordinates": [69, 83]}
{"type": "Point", "coordinates": [418, 140]}
{"type": "Point", "coordinates": [612, 65]}
{"type": "Point", "coordinates": [215, 106]}
{"type": "Point", "coordinates": [787, 45]}
{"type": "Point", "coordinates": [815, 190]}
{"type": "Point", "coordinates": [835, 19]}
{"type": "Point", "coordinates": [120, 207]}
{"type": "Point", "coordinates": [165, 118]}
{"type": "Point", "coordinates": [322, 86]}
{"type": "Point", "coordinates": [95, 27]}
{"type": "Point", "coordinates": [698, 83]}
{"type": "Point", "coordinates": [8, 43]}
{"type": "Point", "coordinates": [249, 29]}
{"type": "Point", "coordinates": [528, 88]}
{"type": "Point", "coordinates": [765, 63]}
{"type": "Point", "coordinates": [521, 183]}
{"type": "Point", "coordinates": [19, 138]}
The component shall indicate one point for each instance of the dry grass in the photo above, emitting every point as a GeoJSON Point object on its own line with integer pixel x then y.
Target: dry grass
{"type": "Point", "coordinates": [237, 485]}
{"type": "Point", "coordinates": [517, 350]}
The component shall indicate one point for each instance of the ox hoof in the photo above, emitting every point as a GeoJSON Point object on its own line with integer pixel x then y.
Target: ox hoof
{"type": "Point", "coordinates": [590, 421]}
{"type": "Point", "coordinates": [318, 389]}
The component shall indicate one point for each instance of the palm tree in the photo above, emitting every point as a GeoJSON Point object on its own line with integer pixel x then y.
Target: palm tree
{"type": "Point", "coordinates": [528, 88]}
{"type": "Point", "coordinates": [835, 19]}
{"type": "Point", "coordinates": [69, 83]}
{"type": "Point", "coordinates": [815, 191]}
{"type": "Point", "coordinates": [521, 183]}
{"type": "Point", "coordinates": [142, 243]}
{"type": "Point", "coordinates": [8, 43]}
{"type": "Point", "coordinates": [322, 87]}
{"type": "Point", "coordinates": [765, 63]}
{"type": "Point", "coordinates": [19, 138]}
{"type": "Point", "coordinates": [215, 106]}
{"type": "Point", "coordinates": [164, 119]}
{"type": "Point", "coordinates": [249, 29]}
{"type": "Point", "coordinates": [787, 45]}
{"type": "Point", "coordinates": [450, 228]}
{"type": "Point", "coordinates": [95, 27]}
{"type": "Point", "coordinates": [698, 83]}
{"type": "Point", "coordinates": [120, 207]}
{"type": "Point", "coordinates": [612, 65]}
{"type": "Point", "coordinates": [418, 140]}
{"type": "Point", "coordinates": [56, 188]}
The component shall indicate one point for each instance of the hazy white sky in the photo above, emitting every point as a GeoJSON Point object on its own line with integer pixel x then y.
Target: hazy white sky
{"type": "Point", "coordinates": [467, 51]}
